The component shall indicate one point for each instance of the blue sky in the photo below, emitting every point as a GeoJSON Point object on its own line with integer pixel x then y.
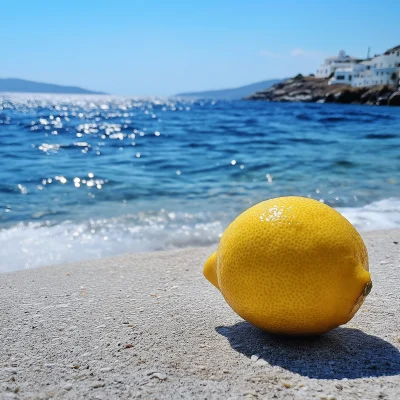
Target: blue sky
{"type": "Point", "coordinates": [160, 47]}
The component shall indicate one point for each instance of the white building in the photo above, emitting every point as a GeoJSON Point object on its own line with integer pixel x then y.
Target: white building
{"type": "Point", "coordinates": [380, 70]}
{"type": "Point", "coordinates": [332, 63]}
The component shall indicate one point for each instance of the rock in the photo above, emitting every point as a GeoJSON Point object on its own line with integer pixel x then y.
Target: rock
{"type": "Point", "coordinates": [280, 92]}
{"type": "Point", "coordinates": [394, 99]}
{"type": "Point", "coordinates": [382, 101]}
{"type": "Point", "coordinates": [330, 98]}
{"type": "Point", "coordinates": [310, 89]}
{"type": "Point", "coordinates": [373, 94]}
{"type": "Point", "coordinates": [347, 96]}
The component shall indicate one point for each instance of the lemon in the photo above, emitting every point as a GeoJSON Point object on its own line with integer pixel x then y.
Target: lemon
{"type": "Point", "coordinates": [291, 265]}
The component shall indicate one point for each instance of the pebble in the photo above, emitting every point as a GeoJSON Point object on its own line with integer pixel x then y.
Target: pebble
{"type": "Point", "coordinates": [250, 394]}
{"type": "Point", "coordinates": [9, 396]}
{"type": "Point", "coordinates": [255, 357]}
{"type": "Point", "coordinates": [62, 305]}
{"type": "Point", "coordinates": [12, 370]}
{"type": "Point", "coordinates": [98, 385]}
{"type": "Point", "coordinates": [339, 386]}
{"type": "Point", "coordinates": [158, 375]}
{"type": "Point", "coordinates": [68, 387]}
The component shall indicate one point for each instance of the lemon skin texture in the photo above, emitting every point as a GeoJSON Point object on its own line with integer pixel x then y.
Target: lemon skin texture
{"type": "Point", "coordinates": [291, 265]}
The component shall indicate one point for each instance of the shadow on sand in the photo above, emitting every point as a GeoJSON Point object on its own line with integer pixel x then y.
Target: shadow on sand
{"type": "Point", "coordinates": [341, 353]}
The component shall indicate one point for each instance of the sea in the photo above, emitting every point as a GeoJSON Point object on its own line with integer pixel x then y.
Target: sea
{"type": "Point", "coordinates": [84, 177]}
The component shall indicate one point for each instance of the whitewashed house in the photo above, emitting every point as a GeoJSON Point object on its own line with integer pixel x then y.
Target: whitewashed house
{"type": "Point", "coordinates": [380, 70]}
{"type": "Point", "coordinates": [342, 60]}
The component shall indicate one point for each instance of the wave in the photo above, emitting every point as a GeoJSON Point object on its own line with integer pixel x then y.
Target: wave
{"type": "Point", "coordinates": [382, 214]}
{"type": "Point", "coordinates": [33, 244]}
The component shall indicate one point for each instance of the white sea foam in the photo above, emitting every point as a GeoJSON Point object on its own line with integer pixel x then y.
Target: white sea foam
{"type": "Point", "coordinates": [382, 214]}
{"type": "Point", "coordinates": [29, 245]}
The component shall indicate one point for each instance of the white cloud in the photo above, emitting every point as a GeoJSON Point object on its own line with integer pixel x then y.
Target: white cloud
{"type": "Point", "coordinates": [297, 52]}
{"type": "Point", "coordinates": [267, 53]}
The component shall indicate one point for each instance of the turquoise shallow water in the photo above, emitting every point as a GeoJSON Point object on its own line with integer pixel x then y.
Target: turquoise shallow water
{"type": "Point", "coordinates": [84, 177]}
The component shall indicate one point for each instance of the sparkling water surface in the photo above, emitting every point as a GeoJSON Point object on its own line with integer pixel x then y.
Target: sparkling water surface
{"type": "Point", "coordinates": [89, 176]}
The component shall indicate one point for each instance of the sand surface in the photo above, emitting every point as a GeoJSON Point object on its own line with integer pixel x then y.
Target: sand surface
{"type": "Point", "coordinates": [149, 326]}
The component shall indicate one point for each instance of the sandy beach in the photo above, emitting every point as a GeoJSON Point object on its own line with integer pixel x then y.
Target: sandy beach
{"type": "Point", "coordinates": [150, 326]}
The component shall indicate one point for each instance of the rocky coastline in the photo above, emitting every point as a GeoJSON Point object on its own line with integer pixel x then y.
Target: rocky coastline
{"type": "Point", "coordinates": [317, 90]}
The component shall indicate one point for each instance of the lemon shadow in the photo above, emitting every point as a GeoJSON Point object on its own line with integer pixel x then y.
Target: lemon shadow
{"type": "Point", "coordinates": [342, 353]}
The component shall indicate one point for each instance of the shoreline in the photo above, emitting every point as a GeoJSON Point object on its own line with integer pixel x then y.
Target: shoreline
{"type": "Point", "coordinates": [148, 325]}
{"type": "Point", "coordinates": [309, 89]}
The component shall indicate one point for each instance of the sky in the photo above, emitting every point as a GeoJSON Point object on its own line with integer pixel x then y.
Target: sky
{"type": "Point", "coordinates": [161, 47]}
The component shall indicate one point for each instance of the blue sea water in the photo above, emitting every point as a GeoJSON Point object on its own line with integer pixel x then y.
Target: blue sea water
{"type": "Point", "coordinates": [91, 176]}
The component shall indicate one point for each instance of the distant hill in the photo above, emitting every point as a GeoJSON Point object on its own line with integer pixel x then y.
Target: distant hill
{"type": "Point", "coordinates": [21, 85]}
{"type": "Point", "coordinates": [232, 94]}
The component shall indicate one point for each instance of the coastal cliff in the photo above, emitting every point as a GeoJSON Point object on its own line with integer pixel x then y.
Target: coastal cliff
{"type": "Point", "coordinates": [311, 89]}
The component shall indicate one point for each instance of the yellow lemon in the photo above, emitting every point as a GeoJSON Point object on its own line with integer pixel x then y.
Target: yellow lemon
{"type": "Point", "coordinates": [291, 265]}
